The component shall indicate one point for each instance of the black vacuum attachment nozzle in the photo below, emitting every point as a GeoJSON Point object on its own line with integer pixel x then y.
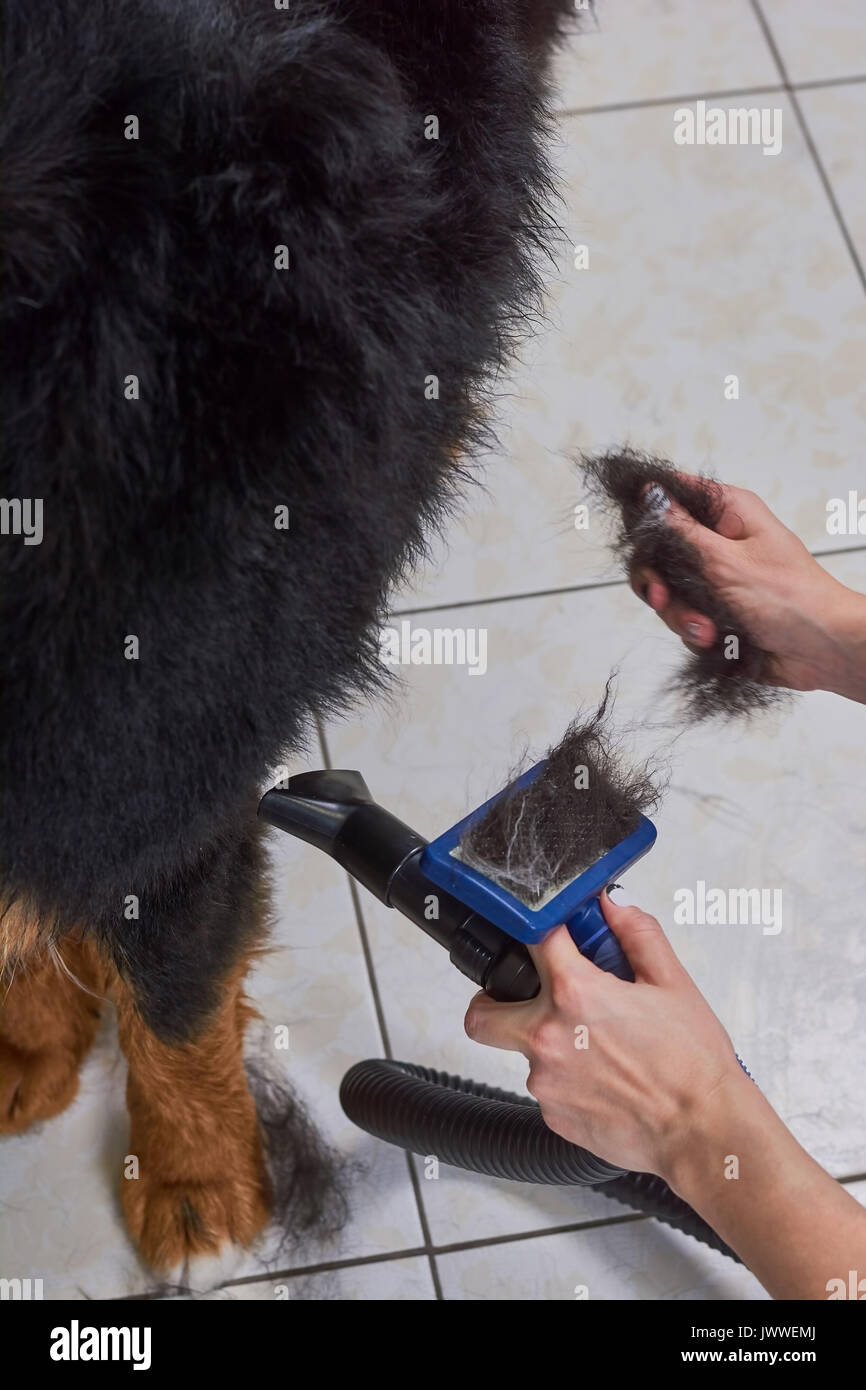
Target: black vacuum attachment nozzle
{"type": "Point", "coordinates": [334, 811]}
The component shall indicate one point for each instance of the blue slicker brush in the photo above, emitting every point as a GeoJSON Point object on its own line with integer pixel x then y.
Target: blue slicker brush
{"type": "Point", "coordinates": [576, 904]}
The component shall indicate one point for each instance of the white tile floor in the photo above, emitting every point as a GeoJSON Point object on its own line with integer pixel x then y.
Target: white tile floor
{"type": "Point", "coordinates": [703, 262]}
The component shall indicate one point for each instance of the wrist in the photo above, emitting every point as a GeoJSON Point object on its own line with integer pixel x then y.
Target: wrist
{"type": "Point", "coordinates": [712, 1135]}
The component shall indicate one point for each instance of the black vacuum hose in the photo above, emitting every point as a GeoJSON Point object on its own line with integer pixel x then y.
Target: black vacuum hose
{"type": "Point", "coordinates": [487, 1130]}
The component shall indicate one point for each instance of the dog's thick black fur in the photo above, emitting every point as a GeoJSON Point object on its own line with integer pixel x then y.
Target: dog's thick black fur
{"type": "Point", "coordinates": [260, 388]}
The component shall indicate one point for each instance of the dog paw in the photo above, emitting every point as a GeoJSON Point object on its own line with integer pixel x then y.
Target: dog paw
{"type": "Point", "coordinates": [34, 1085]}
{"type": "Point", "coordinates": [192, 1231]}
{"type": "Point", "coordinates": [204, 1274]}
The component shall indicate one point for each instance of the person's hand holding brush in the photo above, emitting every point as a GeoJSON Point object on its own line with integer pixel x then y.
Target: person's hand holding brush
{"type": "Point", "coordinates": [644, 1075]}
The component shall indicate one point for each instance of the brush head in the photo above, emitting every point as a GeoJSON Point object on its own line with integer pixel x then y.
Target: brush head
{"type": "Point", "coordinates": [574, 903]}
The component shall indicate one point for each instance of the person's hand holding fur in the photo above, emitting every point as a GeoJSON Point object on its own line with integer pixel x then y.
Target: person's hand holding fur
{"type": "Point", "coordinates": [813, 626]}
{"type": "Point", "coordinates": [658, 1089]}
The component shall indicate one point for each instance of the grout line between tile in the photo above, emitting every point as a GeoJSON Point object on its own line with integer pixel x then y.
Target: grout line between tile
{"type": "Point", "coordinates": [810, 143]}
{"type": "Point", "coordinates": [819, 82]}
{"type": "Point", "coordinates": [386, 1041]}
{"type": "Point", "coordinates": [649, 102]}
{"type": "Point", "coordinates": [640, 102]}
{"type": "Point", "coordinates": [515, 1237]}
{"type": "Point", "coordinates": [505, 598]}
{"type": "Point", "coordinates": [457, 1247]}
{"type": "Point", "coordinates": [454, 1247]}
{"type": "Point", "coordinates": [445, 607]}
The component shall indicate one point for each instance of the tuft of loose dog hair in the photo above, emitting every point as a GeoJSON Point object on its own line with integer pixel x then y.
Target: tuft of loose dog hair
{"type": "Point", "coordinates": [536, 839]}
{"type": "Point", "coordinates": [235, 257]}
{"type": "Point", "coordinates": [309, 1180]}
{"type": "Point", "coordinates": [712, 682]}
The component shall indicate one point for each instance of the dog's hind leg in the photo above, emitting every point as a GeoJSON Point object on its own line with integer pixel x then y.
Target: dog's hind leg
{"type": "Point", "coordinates": [200, 1180]}
{"type": "Point", "coordinates": [200, 1186]}
{"type": "Point", "coordinates": [214, 1161]}
{"type": "Point", "coordinates": [51, 999]}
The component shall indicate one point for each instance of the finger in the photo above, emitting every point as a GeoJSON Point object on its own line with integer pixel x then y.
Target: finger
{"type": "Point", "coordinates": [662, 506]}
{"type": "Point", "coordinates": [649, 587]}
{"type": "Point", "coordinates": [744, 513]}
{"type": "Point", "coordinates": [650, 954]}
{"type": "Point", "coordinates": [497, 1025]}
{"type": "Point", "coordinates": [695, 629]}
{"type": "Point", "coordinates": [702, 537]}
{"type": "Point", "coordinates": [558, 961]}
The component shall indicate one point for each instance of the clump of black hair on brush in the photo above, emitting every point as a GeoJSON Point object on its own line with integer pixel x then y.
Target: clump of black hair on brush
{"type": "Point", "coordinates": [727, 679]}
{"type": "Point", "coordinates": [535, 840]}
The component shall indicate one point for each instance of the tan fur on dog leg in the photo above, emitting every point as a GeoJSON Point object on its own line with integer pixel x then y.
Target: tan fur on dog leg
{"type": "Point", "coordinates": [194, 1130]}
{"type": "Point", "coordinates": [50, 1006]}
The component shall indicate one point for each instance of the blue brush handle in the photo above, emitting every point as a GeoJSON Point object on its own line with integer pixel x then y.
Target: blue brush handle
{"type": "Point", "coordinates": [595, 940]}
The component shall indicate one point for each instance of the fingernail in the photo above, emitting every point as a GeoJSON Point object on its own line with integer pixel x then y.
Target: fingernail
{"type": "Point", "coordinates": [656, 499]}
{"type": "Point", "coordinates": [694, 629]}
{"type": "Point", "coordinates": [622, 898]}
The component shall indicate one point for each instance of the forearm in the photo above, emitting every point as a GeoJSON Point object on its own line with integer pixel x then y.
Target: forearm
{"type": "Point", "coordinates": [746, 1175]}
{"type": "Point", "coordinates": [846, 665]}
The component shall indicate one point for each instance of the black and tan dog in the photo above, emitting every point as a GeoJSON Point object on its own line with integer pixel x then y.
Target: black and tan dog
{"type": "Point", "coordinates": [259, 262]}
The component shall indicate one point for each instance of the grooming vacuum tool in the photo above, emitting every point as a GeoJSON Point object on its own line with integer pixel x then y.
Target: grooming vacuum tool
{"type": "Point", "coordinates": [481, 923]}
{"type": "Point", "coordinates": [486, 930]}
